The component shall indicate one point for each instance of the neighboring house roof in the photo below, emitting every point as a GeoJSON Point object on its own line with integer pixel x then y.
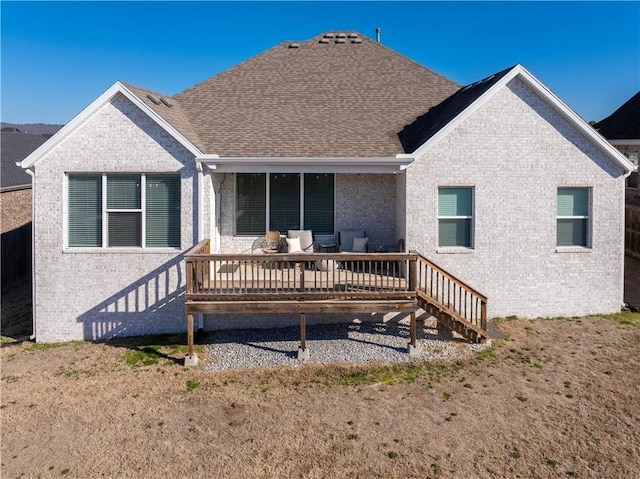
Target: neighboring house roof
{"type": "Point", "coordinates": [15, 146]}
{"type": "Point", "coordinates": [314, 99]}
{"type": "Point", "coordinates": [624, 123]}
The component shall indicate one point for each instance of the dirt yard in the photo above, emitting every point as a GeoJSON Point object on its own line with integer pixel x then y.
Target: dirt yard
{"type": "Point", "coordinates": [557, 398]}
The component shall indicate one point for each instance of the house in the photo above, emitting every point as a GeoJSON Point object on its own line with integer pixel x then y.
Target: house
{"type": "Point", "coordinates": [15, 203]}
{"type": "Point", "coordinates": [622, 129]}
{"type": "Point", "coordinates": [498, 182]}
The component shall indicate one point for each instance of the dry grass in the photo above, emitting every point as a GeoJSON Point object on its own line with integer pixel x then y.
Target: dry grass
{"type": "Point", "coordinates": [558, 398]}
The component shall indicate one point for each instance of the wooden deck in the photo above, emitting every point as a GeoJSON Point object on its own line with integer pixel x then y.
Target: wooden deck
{"type": "Point", "coordinates": [329, 283]}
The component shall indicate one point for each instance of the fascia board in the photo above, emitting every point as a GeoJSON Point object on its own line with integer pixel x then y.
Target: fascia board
{"type": "Point", "coordinates": [550, 97]}
{"type": "Point", "coordinates": [576, 120]}
{"type": "Point", "coordinates": [629, 142]}
{"type": "Point", "coordinates": [107, 96]}
{"type": "Point", "coordinates": [304, 165]}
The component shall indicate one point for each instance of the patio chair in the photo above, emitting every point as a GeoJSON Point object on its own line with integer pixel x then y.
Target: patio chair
{"type": "Point", "coordinates": [272, 242]}
{"type": "Point", "coordinates": [353, 241]}
{"type": "Point", "coordinates": [300, 241]}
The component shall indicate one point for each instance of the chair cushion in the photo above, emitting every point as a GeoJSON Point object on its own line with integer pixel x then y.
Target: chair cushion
{"type": "Point", "coordinates": [306, 239]}
{"type": "Point", "coordinates": [359, 245]}
{"type": "Point", "coordinates": [293, 245]}
{"type": "Point", "coordinates": [346, 239]}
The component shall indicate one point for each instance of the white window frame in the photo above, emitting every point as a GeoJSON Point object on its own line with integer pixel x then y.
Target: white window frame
{"type": "Point", "coordinates": [105, 211]}
{"type": "Point", "coordinates": [576, 217]}
{"type": "Point", "coordinates": [467, 217]}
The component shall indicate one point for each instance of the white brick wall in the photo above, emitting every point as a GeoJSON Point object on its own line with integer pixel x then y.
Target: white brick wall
{"type": "Point", "coordinates": [516, 151]}
{"type": "Point", "coordinates": [101, 293]}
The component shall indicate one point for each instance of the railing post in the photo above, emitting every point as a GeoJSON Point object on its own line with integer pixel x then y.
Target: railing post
{"type": "Point", "coordinates": [483, 315]}
{"type": "Point", "coordinates": [189, 276]}
{"type": "Point", "coordinates": [413, 273]}
{"type": "Point", "coordinates": [301, 275]}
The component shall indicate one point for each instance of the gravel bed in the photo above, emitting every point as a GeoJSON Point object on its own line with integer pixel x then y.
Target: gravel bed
{"type": "Point", "coordinates": [352, 343]}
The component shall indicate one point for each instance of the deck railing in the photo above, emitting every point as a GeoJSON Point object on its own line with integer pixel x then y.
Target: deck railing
{"type": "Point", "coordinates": [451, 295]}
{"type": "Point", "coordinates": [298, 276]}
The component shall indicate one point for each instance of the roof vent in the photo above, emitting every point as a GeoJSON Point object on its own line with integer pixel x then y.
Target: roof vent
{"type": "Point", "coordinates": [353, 35]}
{"type": "Point", "coordinates": [356, 40]}
{"type": "Point", "coordinates": [153, 98]}
{"type": "Point", "coordinates": [341, 35]}
{"type": "Point", "coordinates": [294, 45]}
{"type": "Point", "coordinates": [328, 35]}
{"type": "Point", "coordinates": [341, 40]}
{"type": "Point", "coordinates": [324, 40]}
{"type": "Point", "coordinates": [166, 102]}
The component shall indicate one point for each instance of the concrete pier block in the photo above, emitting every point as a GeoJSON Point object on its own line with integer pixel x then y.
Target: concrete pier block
{"type": "Point", "coordinates": [413, 350]}
{"type": "Point", "coordinates": [303, 354]}
{"type": "Point", "coordinates": [191, 360]}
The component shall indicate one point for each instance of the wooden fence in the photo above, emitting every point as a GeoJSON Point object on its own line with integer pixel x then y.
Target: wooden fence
{"type": "Point", "coordinates": [16, 254]}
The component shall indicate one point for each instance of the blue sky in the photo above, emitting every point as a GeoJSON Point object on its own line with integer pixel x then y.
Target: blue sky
{"type": "Point", "coordinates": [57, 57]}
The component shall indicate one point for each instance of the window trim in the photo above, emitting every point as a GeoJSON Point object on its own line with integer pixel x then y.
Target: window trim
{"type": "Point", "coordinates": [457, 248]}
{"type": "Point", "coordinates": [268, 202]}
{"type": "Point", "coordinates": [588, 226]}
{"type": "Point", "coordinates": [105, 213]}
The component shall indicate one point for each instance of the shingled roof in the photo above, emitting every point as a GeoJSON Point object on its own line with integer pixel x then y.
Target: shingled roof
{"type": "Point", "coordinates": [624, 123]}
{"type": "Point", "coordinates": [427, 125]}
{"type": "Point", "coordinates": [16, 146]}
{"type": "Point", "coordinates": [339, 94]}
{"type": "Point", "coordinates": [169, 109]}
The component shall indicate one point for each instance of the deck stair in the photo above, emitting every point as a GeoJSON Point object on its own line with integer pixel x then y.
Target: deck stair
{"type": "Point", "coordinates": [454, 303]}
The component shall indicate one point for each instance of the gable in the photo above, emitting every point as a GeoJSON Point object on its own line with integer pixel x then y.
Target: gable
{"type": "Point", "coordinates": [537, 93]}
{"type": "Point", "coordinates": [115, 92]}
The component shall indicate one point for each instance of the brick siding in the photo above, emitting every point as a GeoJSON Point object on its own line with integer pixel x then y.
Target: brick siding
{"type": "Point", "coordinates": [101, 293]}
{"type": "Point", "coordinates": [516, 151]}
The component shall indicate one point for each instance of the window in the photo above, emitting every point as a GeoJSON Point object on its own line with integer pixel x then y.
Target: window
{"type": "Point", "coordinates": [284, 201]}
{"type": "Point", "coordinates": [123, 210]}
{"type": "Point", "coordinates": [455, 216]}
{"type": "Point", "coordinates": [573, 217]}
{"type": "Point", "coordinates": [632, 179]}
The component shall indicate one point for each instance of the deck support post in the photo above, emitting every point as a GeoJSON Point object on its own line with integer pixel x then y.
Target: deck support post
{"type": "Point", "coordinates": [412, 347]}
{"type": "Point", "coordinates": [303, 352]}
{"type": "Point", "coordinates": [191, 359]}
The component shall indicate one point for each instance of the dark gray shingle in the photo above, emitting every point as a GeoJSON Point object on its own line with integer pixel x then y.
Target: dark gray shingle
{"type": "Point", "coordinates": [624, 123]}
{"type": "Point", "coordinates": [14, 147]}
